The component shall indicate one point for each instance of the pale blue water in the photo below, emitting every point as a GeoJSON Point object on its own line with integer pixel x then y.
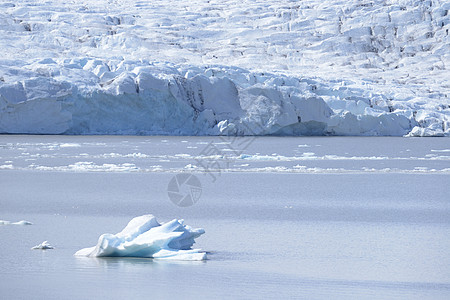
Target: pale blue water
{"type": "Point", "coordinates": [367, 218]}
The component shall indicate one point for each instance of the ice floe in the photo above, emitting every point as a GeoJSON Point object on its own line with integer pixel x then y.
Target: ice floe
{"type": "Point", "coordinates": [45, 245]}
{"type": "Point", "coordinates": [23, 222]}
{"type": "Point", "coordinates": [145, 237]}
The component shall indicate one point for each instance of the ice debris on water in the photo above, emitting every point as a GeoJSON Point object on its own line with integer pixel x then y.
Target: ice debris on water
{"type": "Point", "coordinates": [43, 246]}
{"type": "Point", "coordinates": [23, 222]}
{"type": "Point", "coordinates": [145, 237]}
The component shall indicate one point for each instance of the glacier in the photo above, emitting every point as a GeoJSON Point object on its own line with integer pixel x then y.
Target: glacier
{"type": "Point", "coordinates": [372, 68]}
{"type": "Point", "coordinates": [145, 237]}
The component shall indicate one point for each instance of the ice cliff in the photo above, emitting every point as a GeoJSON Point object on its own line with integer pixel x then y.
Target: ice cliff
{"type": "Point", "coordinates": [225, 67]}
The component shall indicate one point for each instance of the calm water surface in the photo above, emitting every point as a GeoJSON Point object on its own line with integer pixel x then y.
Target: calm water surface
{"type": "Point", "coordinates": [305, 218]}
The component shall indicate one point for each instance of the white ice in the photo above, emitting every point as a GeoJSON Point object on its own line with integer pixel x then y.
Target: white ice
{"type": "Point", "coordinates": [145, 237]}
{"type": "Point", "coordinates": [225, 67]}
{"type": "Point", "coordinates": [45, 245]}
{"type": "Point", "coordinates": [23, 222]}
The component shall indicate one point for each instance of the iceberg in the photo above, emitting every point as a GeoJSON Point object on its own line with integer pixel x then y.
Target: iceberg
{"type": "Point", "coordinates": [23, 222]}
{"type": "Point", "coordinates": [145, 237]}
{"type": "Point", "coordinates": [45, 245]}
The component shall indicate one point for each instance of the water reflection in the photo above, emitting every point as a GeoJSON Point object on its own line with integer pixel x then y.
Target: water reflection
{"type": "Point", "coordinates": [125, 263]}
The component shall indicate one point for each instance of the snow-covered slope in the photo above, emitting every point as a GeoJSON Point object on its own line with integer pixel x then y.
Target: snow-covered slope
{"type": "Point", "coordinates": [225, 67]}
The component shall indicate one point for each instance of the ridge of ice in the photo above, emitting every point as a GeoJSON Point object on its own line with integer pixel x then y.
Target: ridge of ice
{"type": "Point", "coordinates": [145, 237]}
{"type": "Point", "coordinates": [221, 67]}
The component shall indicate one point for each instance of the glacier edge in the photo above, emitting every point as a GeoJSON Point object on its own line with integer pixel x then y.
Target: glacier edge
{"type": "Point", "coordinates": [150, 98]}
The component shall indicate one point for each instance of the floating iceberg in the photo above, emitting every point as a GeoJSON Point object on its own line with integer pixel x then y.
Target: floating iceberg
{"type": "Point", "coordinates": [43, 246]}
{"type": "Point", "coordinates": [145, 237]}
{"type": "Point", "coordinates": [23, 222]}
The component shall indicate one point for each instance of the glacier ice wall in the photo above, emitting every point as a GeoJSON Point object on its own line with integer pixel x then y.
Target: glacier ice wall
{"type": "Point", "coordinates": [148, 98]}
{"type": "Point", "coordinates": [278, 68]}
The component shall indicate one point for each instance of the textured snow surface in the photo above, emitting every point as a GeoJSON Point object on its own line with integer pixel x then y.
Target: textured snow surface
{"type": "Point", "coordinates": [225, 67]}
{"type": "Point", "coordinates": [145, 237]}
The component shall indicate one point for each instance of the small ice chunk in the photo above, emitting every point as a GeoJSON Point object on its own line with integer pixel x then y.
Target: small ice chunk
{"type": "Point", "coordinates": [23, 222]}
{"type": "Point", "coordinates": [145, 237]}
{"type": "Point", "coordinates": [69, 145]}
{"type": "Point", "coordinates": [43, 246]}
